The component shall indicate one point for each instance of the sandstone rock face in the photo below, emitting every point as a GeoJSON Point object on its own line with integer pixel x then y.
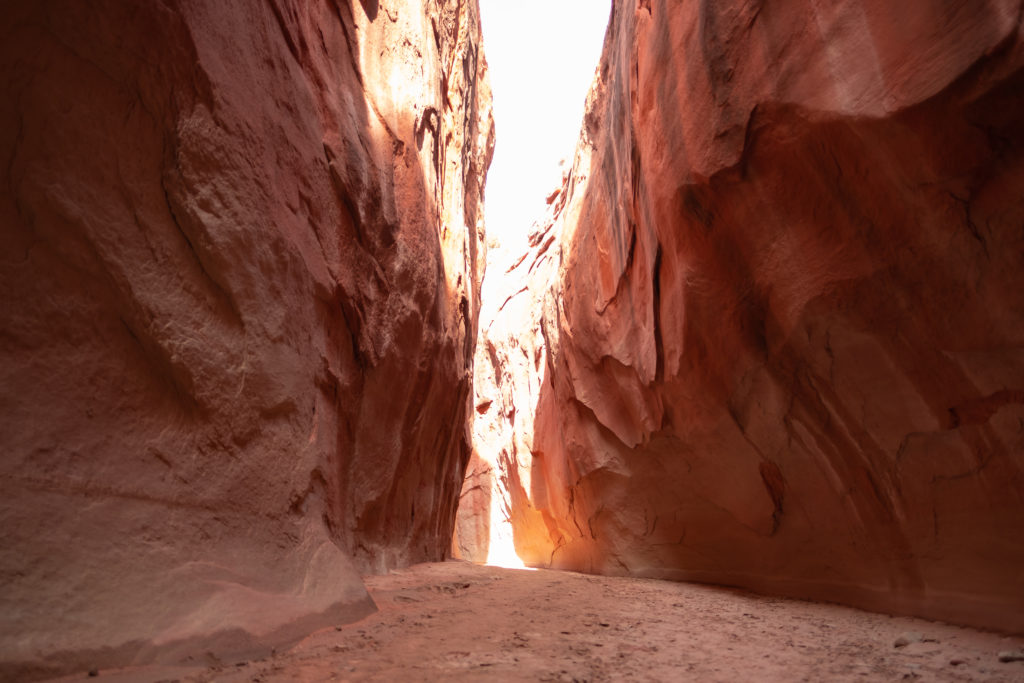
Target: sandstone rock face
{"type": "Point", "coordinates": [773, 334]}
{"type": "Point", "coordinates": [240, 256]}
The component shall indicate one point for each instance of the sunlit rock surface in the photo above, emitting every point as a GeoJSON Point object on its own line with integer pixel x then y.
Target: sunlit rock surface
{"type": "Point", "coordinates": [240, 256]}
{"type": "Point", "coordinates": [772, 334]}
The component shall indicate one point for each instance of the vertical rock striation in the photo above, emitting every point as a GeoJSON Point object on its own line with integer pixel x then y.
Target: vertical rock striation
{"type": "Point", "coordinates": [240, 256]}
{"type": "Point", "coordinates": [772, 335]}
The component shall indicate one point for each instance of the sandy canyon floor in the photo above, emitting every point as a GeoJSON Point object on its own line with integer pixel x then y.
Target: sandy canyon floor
{"type": "Point", "coordinates": [464, 622]}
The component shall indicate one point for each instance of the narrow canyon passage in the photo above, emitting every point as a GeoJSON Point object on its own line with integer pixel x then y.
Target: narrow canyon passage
{"type": "Point", "coordinates": [265, 366]}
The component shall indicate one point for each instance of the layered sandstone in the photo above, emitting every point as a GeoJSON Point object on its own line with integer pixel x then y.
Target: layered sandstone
{"type": "Point", "coordinates": [773, 334]}
{"type": "Point", "coordinates": [240, 255]}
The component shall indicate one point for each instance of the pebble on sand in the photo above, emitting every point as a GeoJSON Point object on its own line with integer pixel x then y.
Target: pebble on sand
{"type": "Point", "coordinates": [907, 638]}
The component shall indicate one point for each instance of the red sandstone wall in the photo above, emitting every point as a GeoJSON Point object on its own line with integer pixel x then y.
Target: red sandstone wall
{"type": "Point", "coordinates": [774, 335]}
{"type": "Point", "coordinates": [240, 264]}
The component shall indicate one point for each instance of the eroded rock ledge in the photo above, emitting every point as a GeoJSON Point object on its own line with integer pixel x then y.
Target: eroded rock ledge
{"type": "Point", "coordinates": [240, 255]}
{"type": "Point", "coordinates": [772, 334]}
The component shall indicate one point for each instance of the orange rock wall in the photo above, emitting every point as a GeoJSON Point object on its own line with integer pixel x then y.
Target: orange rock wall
{"type": "Point", "coordinates": [240, 256]}
{"type": "Point", "coordinates": [772, 334]}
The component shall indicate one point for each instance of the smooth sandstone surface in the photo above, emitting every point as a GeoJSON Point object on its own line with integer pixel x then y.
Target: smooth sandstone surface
{"type": "Point", "coordinates": [241, 247]}
{"type": "Point", "coordinates": [772, 333]}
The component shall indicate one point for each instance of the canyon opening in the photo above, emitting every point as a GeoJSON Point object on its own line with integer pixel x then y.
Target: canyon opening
{"type": "Point", "coordinates": [740, 381]}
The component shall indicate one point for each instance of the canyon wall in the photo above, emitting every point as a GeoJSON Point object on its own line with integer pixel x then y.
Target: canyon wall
{"type": "Point", "coordinates": [240, 255]}
{"type": "Point", "coordinates": [772, 333]}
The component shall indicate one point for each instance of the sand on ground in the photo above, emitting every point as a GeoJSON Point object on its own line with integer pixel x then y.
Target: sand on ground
{"type": "Point", "coordinates": [465, 622]}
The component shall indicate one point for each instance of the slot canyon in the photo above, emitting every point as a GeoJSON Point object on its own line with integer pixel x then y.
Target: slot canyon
{"type": "Point", "coordinates": [747, 404]}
